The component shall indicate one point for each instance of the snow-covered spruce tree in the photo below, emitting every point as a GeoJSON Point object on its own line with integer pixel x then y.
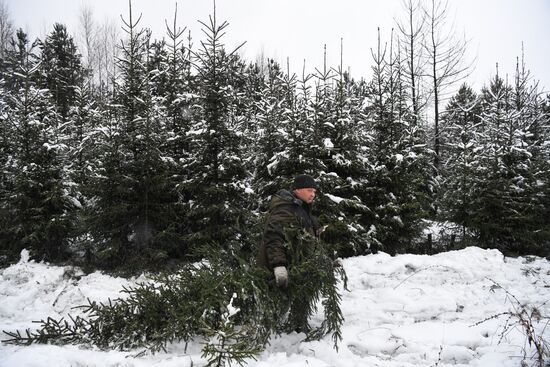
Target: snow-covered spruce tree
{"type": "Point", "coordinates": [62, 73]}
{"type": "Point", "coordinates": [338, 160]}
{"type": "Point", "coordinates": [460, 144]}
{"type": "Point", "coordinates": [275, 100]}
{"type": "Point", "coordinates": [37, 208]}
{"type": "Point", "coordinates": [246, 81]}
{"type": "Point", "coordinates": [78, 136]}
{"type": "Point", "coordinates": [15, 55]}
{"type": "Point", "coordinates": [398, 158]}
{"type": "Point", "coordinates": [61, 70]}
{"type": "Point", "coordinates": [174, 93]}
{"type": "Point", "coordinates": [543, 169]}
{"type": "Point", "coordinates": [505, 208]}
{"type": "Point", "coordinates": [249, 112]}
{"type": "Point", "coordinates": [5, 156]}
{"type": "Point", "coordinates": [217, 210]}
{"type": "Point", "coordinates": [175, 106]}
{"type": "Point", "coordinates": [531, 166]}
{"type": "Point", "coordinates": [297, 155]}
{"type": "Point", "coordinates": [286, 132]}
{"type": "Point", "coordinates": [132, 218]}
{"type": "Point", "coordinates": [490, 196]}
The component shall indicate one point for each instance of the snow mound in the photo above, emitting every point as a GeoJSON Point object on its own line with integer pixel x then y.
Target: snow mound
{"type": "Point", "coordinates": [407, 310]}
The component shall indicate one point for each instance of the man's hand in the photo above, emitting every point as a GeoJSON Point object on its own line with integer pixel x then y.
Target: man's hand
{"type": "Point", "coordinates": [281, 276]}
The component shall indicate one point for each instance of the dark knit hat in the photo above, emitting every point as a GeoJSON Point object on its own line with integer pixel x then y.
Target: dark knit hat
{"type": "Point", "coordinates": [303, 182]}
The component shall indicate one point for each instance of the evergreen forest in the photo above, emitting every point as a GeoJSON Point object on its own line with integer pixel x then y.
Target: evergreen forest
{"type": "Point", "coordinates": [132, 153]}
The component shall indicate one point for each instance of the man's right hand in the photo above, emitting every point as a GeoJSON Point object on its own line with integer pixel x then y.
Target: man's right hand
{"type": "Point", "coordinates": [281, 276]}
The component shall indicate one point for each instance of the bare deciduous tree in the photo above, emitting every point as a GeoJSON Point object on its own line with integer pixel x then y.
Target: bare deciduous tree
{"type": "Point", "coordinates": [6, 27]}
{"type": "Point", "coordinates": [446, 60]}
{"type": "Point", "coordinates": [98, 44]}
{"type": "Point", "coordinates": [412, 32]}
{"type": "Point", "coordinates": [87, 33]}
{"type": "Point", "coordinates": [107, 49]}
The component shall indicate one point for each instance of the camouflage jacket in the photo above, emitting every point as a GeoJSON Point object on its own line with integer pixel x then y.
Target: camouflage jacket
{"type": "Point", "coordinates": [288, 218]}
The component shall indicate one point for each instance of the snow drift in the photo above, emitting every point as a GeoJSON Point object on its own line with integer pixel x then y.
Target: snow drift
{"type": "Point", "coordinates": [407, 310]}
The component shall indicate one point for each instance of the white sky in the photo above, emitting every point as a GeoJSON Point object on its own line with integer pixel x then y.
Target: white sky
{"type": "Point", "coordinates": [299, 29]}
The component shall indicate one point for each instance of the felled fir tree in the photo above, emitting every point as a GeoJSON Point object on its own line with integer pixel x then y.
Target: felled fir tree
{"type": "Point", "coordinates": [225, 302]}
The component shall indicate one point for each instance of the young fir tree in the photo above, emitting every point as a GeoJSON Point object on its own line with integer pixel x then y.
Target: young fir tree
{"type": "Point", "coordinates": [251, 89]}
{"type": "Point", "coordinates": [217, 212]}
{"type": "Point", "coordinates": [530, 165]}
{"type": "Point", "coordinates": [225, 303]}
{"type": "Point", "coordinates": [398, 158]}
{"type": "Point", "coordinates": [494, 205]}
{"type": "Point", "coordinates": [276, 99]}
{"type": "Point", "coordinates": [250, 117]}
{"type": "Point", "coordinates": [61, 69]}
{"type": "Point", "coordinates": [175, 105]}
{"type": "Point", "coordinates": [15, 55]}
{"type": "Point", "coordinates": [286, 126]}
{"type": "Point", "coordinates": [297, 154]}
{"type": "Point", "coordinates": [82, 147]}
{"type": "Point", "coordinates": [508, 200]}
{"type": "Point", "coordinates": [337, 121]}
{"type": "Point", "coordinates": [132, 219]}
{"type": "Point", "coordinates": [460, 143]}
{"type": "Point", "coordinates": [175, 96]}
{"type": "Point", "coordinates": [37, 208]}
{"type": "Point", "coordinates": [511, 177]}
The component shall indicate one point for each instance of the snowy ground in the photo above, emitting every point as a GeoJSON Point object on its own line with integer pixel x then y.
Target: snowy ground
{"type": "Point", "coordinates": [403, 311]}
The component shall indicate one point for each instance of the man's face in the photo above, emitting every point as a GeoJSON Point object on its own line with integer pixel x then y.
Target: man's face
{"type": "Point", "coordinates": [306, 195]}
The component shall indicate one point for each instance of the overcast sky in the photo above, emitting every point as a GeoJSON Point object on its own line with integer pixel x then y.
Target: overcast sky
{"type": "Point", "coordinates": [299, 29]}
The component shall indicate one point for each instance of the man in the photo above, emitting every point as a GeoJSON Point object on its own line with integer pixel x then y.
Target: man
{"type": "Point", "coordinates": [289, 238]}
{"type": "Point", "coordinates": [288, 211]}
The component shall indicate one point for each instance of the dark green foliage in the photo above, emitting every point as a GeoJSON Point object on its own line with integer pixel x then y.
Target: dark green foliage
{"type": "Point", "coordinates": [36, 206]}
{"type": "Point", "coordinates": [312, 278]}
{"type": "Point", "coordinates": [188, 144]}
{"type": "Point", "coordinates": [20, 52]}
{"type": "Point", "coordinates": [396, 184]}
{"type": "Point", "coordinates": [495, 173]}
{"type": "Point", "coordinates": [61, 68]}
{"type": "Point", "coordinates": [271, 134]}
{"type": "Point", "coordinates": [505, 210]}
{"type": "Point", "coordinates": [459, 143]}
{"type": "Point", "coordinates": [134, 214]}
{"type": "Point", "coordinates": [217, 210]}
{"type": "Point", "coordinates": [339, 124]}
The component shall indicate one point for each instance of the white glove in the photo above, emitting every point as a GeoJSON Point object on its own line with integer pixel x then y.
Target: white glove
{"type": "Point", "coordinates": [281, 276]}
